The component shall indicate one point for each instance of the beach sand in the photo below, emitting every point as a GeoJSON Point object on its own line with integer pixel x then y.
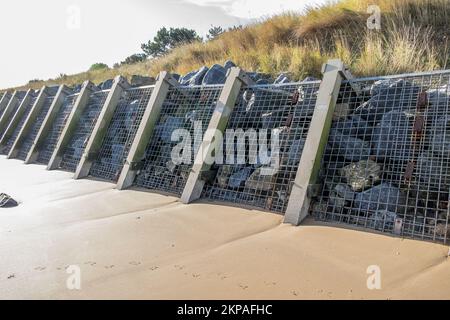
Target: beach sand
{"type": "Point", "coordinates": [140, 245]}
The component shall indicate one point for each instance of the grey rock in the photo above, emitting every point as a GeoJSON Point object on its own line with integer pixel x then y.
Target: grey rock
{"type": "Point", "coordinates": [392, 138]}
{"type": "Point", "coordinates": [140, 81]}
{"type": "Point", "coordinates": [384, 196]}
{"type": "Point", "coordinates": [262, 82]}
{"type": "Point", "coordinates": [238, 178]}
{"type": "Point", "coordinates": [440, 136]}
{"type": "Point", "coordinates": [382, 220]}
{"type": "Point", "coordinates": [282, 78]}
{"type": "Point", "coordinates": [194, 77]}
{"type": "Point", "coordinates": [355, 126]}
{"type": "Point", "coordinates": [398, 96]}
{"type": "Point", "coordinates": [176, 76]}
{"type": "Point", "coordinates": [223, 175]}
{"type": "Point", "coordinates": [439, 96]}
{"type": "Point", "coordinates": [341, 197]}
{"type": "Point", "coordinates": [260, 181]}
{"type": "Point", "coordinates": [350, 148]}
{"type": "Point", "coordinates": [362, 175]}
{"type": "Point", "coordinates": [229, 64]}
{"type": "Point", "coordinates": [7, 201]}
{"type": "Point", "coordinates": [432, 172]}
{"type": "Point", "coordinates": [295, 152]}
{"type": "Point", "coordinates": [215, 75]}
{"type": "Point", "coordinates": [164, 131]}
{"type": "Point", "coordinates": [106, 84]}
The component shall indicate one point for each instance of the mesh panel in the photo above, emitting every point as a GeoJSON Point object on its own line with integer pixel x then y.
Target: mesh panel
{"type": "Point", "coordinates": [15, 134]}
{"type": "Point", "coordinates": [2, 110]}
{"type": "Point", "coordinates": [11, 114]}
{"type": "Point", "coordinates": [120, 133]}
{"type": "Point", "coordinates": [50, 141]}
{"type": "Point", "coordinates": [387, 163]}
{"type": "Point", "coordinates": [75, 148]}
{"type": "Point", "coordinates": [31, 136]}
{"type": "Point", "coordinates": [183, 107]}
{"type": "Point", "coordinates": [266, 112]}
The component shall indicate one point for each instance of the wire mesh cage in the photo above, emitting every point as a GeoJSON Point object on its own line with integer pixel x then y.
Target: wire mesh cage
{"type": "Point", "coordinates": [34, 130]}
{"type": "Point", "coordinates": [188, 109]}
{"type": "Point", "coordinates": [387, 163]}
{"type": "Point", "coordinates": [265, 137]}
{"type": "Point", "coordinates": [54, 133]}
{"type": "Point", "coordinates": [73, 152]}
{"type": "Point", "coordinates": [120, 133]}
{"type": "Point", "coordinates": [12, 113]}
{"type": "Point", "coordinates": [27, 108]}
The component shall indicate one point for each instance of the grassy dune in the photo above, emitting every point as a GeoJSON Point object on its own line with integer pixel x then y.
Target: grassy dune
{"type": "Point", "coordinates": [414, 36]}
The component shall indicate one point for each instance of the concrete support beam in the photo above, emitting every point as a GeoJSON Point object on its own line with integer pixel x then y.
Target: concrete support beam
{"type": "Point", "coordinates": [78, 108]}
{"type": "Point", "coordinates": [15, 119]}
{"type": "Point", "coordinates": [98, 134]}
{"type": "Point", "coordinates": [334, 72]}
{"type": "Point", "coordinates": [219, 121]}
{"type": "Point", "coordinates": [57, 103]}
{"type": "Point", "coordinates": [34, 112]}
{"type": "Point", "coordinates": [145, 130]}
{"type": "Point", "coordinates": [9, 112]}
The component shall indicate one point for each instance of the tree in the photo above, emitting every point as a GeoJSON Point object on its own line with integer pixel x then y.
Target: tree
{"type": "Point", "coordinates": [214, 32]}
{"type": "Point", "coordinates": [168, 39]}
{"type": "Point", "coordinates": [98, 66]}
{"type": "Point", "coordinates": [134, 58]}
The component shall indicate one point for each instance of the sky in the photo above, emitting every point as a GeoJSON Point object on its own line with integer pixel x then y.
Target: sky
{"type": "Point", "coordinates": [42, 39]}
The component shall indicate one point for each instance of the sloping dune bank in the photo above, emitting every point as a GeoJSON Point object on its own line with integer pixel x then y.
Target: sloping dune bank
{"type": "Point", "coordinates": [139, 245]}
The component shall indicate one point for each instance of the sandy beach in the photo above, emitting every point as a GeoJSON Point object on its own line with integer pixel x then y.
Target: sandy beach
{"type": "Point", "coordinates": [140, 245]}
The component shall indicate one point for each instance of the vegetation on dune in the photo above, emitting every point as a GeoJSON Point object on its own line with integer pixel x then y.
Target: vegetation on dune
{"type": "Point", "coordinates": [414, 36]}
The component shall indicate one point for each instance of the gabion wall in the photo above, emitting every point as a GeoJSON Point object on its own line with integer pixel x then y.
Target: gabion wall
{"type": "Point", "coordinates": [53, 135]}
{"type": "Point", "coordinates": [284, 110]}
{"type": "Point", "coordinates": [387, 162]}
{"type": "Point", "coordinates": [74, 150]}
{"type": "Point", "coordinates": [27, 108]}
{"type": "Point", "coordinates": [183, 107]}
{"type": "Point", "coordinates": [120, 133]}
{"type": "Point", "coordinates": [28, 141]}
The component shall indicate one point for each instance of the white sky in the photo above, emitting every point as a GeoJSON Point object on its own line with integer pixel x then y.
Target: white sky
{"type": "Point", "coordinates": [41, 39]}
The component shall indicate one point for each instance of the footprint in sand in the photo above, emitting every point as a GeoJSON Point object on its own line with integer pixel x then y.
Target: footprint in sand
{"type": "Point", "coordinates": [243, 287]}
{"type": "Point", "coordinates": [134, 263]}
{"type": "Point", "coordinates": [109, 267]}
{"type": "Point", "coordinates": [11, 276]}
{"type": "Point", "coordinates": [195, 275]}
{"type": "Point", "coordinates": [153, 268]}
{"type": "Point", "coordinates": [90, 263]}
{"type": "Point", "coordinates": [294, 293]}
{"type": "Point", "coordinates": [270, 283]}
{"type": "Point", "coordinates": [179, 267]}
{"type": "Point", "coordinates": [40, 268]}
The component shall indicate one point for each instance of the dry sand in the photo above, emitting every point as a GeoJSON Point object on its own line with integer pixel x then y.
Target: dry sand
{"type": "Point", "coordinates": [139, 245]}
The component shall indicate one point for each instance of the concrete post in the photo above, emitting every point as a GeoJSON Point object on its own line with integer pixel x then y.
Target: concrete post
{"type": "Point", "coordinates": [219, 120]}
{"type": "Point", "coordinates": [9, 113]}
{"type": "Point", "coordinates": [34, 112]}
{"type": "Point", "coordinates": [297, 210]}
{"type": "Point", "coordinates": [98, 134]}
{"type": "Point", "coordinates": [78, 108]}
{"type": "Point", "coordinates": [145, 130]}
{"type": "Point", "coordinates": [57, 103]}
{"type": "Point", "coordinates": [15, 118]}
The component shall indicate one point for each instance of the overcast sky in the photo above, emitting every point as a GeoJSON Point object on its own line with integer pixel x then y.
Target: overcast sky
{"type": "Point", "coordinates": [41, 39]}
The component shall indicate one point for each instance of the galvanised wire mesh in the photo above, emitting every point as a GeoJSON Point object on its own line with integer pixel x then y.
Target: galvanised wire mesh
{"type": "Point", "coordinates": [120, 133]}
{"type": "Point", "coordinates": [18, 128]}
{"type": "Point", "coordinates": [54, 133]}
{"type": "Point", "coordinates": [12, 113]}
{"type": "Point", "coordinates": [265, 114]}
{"type": "Point", "coordinates": [188, 108]}
{"type": "Point", "coordinates": [2, 110]}
{"type": "Point", "coordinates": [387, 163]}
{"type": "Point", "coordinates": [27, 142]}
{"type": "Point", "coordinates": [74, 150]}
